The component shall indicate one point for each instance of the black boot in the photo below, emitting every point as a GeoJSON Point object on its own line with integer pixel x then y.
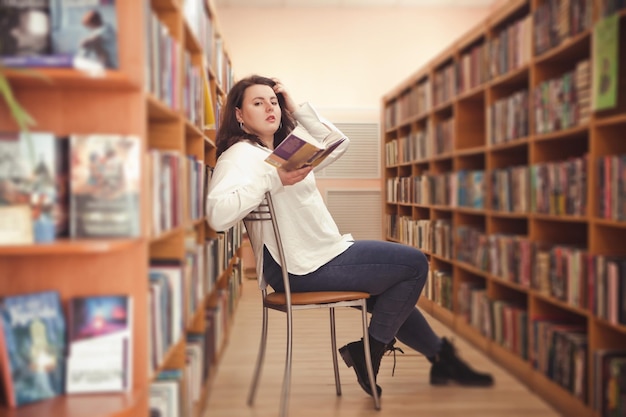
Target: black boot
{"type": "Point", "coordinates": [448, 367]}
{"type": "Point", "coordinates": [353, 355]}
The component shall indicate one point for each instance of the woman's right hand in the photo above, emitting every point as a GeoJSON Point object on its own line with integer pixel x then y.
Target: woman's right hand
{"type": "Point", "coordinates": [290, 103]}
{"type": "Point", "coordinates": [293, 177]}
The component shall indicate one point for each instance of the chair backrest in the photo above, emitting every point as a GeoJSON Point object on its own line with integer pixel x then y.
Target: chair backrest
{"type": "Point", "coordinates": [265, 213]}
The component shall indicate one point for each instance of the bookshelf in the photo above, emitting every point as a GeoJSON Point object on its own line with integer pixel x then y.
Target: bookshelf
{"type": "Point", "coordinates": [168, 120]}
{"type": "Point", "coordinates": [495, 166]}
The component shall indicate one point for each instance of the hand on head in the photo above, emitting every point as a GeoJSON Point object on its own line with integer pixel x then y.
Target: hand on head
{"type": "Point", "coordinates": [279, 88]}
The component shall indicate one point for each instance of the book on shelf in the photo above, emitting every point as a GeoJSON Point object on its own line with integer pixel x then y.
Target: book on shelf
{"type": "Point", "coordinates": [31, 181]}
{"type": "Point", "coordinates": [85, 33]}
{"type": "Point", "coordinates": [32, 347]}
{"type": "Point", "coordinates": [605, 63]}
{"type": "Point", "coordinates": [104, 185]}
{"type": "Point", "coordinates": [100, 344]}
{"type": "Point", "coordinates": [609, 381]}
{"type": "Point", "coordinates": [300, 149]}
{"type": "Point", "coordinates": [209, 113]}
{"type": "Point", "coordinates": [25, 33]}
{"type": "Point", "coordinates": [166, 391]}
{"type": "Point", "coordinates": [59, 33]}
{"type": "Point", "coordinates": [16, 225]}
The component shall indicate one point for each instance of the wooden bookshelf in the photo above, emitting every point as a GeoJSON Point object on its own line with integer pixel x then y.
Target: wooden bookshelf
{"type": "Point", "coordinates": [494, 65]}
{"type": "Point", "coordinates": [67, 101]}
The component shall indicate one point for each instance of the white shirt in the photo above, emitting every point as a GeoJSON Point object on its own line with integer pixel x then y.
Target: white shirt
{"type": "Point", "coordinates": [238, 185]}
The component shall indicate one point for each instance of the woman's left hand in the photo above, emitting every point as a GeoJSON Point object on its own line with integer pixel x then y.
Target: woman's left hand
{"type": "Point", "coordinates": [293, 177]}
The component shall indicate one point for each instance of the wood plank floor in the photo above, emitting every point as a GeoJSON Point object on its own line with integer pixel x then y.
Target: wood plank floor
{"type": "Point", "coordinates": [407, 393]}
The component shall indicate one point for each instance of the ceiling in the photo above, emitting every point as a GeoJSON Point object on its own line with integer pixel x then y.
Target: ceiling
{"type": "Point", "coordinates": [353, 3]}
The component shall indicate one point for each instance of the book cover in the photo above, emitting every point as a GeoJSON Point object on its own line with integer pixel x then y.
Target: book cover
{"type": "Point", "coordinates": [605, 53]}
{"type": "Point", "coordinates": [28, 176]}
{"type": "Point", "coordinates": [100, 348]}
{"type": "Point", "coordinates": [25, 34]}
{"type": "Point", "coordinates": [104, 185]}
{"type": "Point", "coordinates": [300, 149]}
{"type": "Point", "coordinates": [86, 32]}
{"type": "Point", "coordinates": [32, 348]}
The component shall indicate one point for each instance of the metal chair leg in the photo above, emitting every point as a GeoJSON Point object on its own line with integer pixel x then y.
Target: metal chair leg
{"type": "Point", "coordinates": [368, 356]}
{"type": "Point", "coordinates": [284, 407]}
{"type": "Point", "coordinates": [333, 345]}
{"type": "Point", "coordinates": [259, 359]}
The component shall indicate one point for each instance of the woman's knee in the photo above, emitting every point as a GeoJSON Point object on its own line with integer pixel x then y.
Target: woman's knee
{"type": "Point", "coordinates": [421, 261]}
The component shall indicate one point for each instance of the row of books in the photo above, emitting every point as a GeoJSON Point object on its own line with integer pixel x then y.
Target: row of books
{"type": "Point", "coordinates": [609, 382]}
{"type": "Point", "coordinates": [506, 51]}
{"type": "Point", "coordinates": [554, 188]}
{"type": "Point", "coordinates": [595, 282]}
{"type": "Point", "coordinates": [463, 188]}
{"type": "Point", "coordinates": [83, 34]}
{"type": "Point", "coordinates": [47, 351]}
{"type": "Point", "coordinates": [202, 26]}
{"type": "Point", "coordinates": [567, 273]}
{"type": "Point", "coordinates": [438, 287]}
{"type": "Point", "coordinates": [612, 187]}
{"type": "Point", "coordinates": [178, 185]}
{"type": "Point", "coordinates": [555, 347]}
{"type": "Point", "coordinates": [508, 118]}
{"type": "Point", "coordinates": [473, 66]}
{"type": "Point", "coordinates": [414, 146]}
{"type": "Point", "coordinates": [563, 102]}
{"type": "Point", "coordinates": [87, 185]}
{"type": "Point", "coordinates": [178, 287]}
{"type": "Point", "coordinates": [510, 188]}
{"type": "Point", "coordinates": [445, 84]}
{"type": "Point", "coordinates": [559, 103]}
{"type": "Point", "coordinates": [433, 236]}
{"type": "Point", "coordinates": [557, 351]}
{"type": "Point", "coordinates": [163, 55]}
{"type": "Point", "coordinates": [415, 101]}
{"type": "Point", "coordinates": [175, 392]}
{"type": "Point", "coordinates": [510, 49]}
{"type": "Point", "coordinates": [558, 20]}
{"type": "Point", "coordinates": [178, 290]}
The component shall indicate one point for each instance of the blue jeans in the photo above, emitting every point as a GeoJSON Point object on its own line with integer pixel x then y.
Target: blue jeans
{"type": "Point", "coordinates": [392, 273]}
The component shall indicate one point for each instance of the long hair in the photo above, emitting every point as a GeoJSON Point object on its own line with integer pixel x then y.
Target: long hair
{"type": "Point", "coordinates": [229, 132]}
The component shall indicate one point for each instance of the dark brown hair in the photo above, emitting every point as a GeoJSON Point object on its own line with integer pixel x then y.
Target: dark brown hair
{"type": "Point", "coordinates": [229, 132]}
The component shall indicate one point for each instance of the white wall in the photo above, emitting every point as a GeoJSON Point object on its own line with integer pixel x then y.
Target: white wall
{"type": "Point", "coordinates": [341, 59]}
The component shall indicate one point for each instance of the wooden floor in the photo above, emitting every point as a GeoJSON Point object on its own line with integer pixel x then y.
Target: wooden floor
{"type": "Point", "coordinates": [407, 393]}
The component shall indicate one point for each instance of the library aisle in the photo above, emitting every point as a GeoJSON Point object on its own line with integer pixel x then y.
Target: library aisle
{"type": "Point", "coordinates": [407, 393]}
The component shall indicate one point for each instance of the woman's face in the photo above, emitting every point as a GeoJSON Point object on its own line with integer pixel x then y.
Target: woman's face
{"type": "Point", "coordinates": [260, 112]}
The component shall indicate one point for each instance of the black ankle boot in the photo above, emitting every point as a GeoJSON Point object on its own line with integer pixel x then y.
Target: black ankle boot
{"type": "Point", "coordinates": [353, 355]}
{"type": "Point", "coordinates": [448, 367]}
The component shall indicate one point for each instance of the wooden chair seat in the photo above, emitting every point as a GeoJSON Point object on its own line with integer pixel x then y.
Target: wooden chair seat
{"type": "Point", "coordinates": [317, 297]}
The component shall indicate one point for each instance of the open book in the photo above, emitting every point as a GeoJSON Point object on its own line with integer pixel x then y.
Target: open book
{"type": "Point", "coordinates": [300, 149]}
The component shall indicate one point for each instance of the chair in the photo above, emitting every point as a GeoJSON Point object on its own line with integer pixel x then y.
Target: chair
{"type": "Point", "coordinates": [289, 302]}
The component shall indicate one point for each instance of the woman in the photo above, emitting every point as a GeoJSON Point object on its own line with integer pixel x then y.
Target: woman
{"type": "Point", "coordinates": [257, 116]}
